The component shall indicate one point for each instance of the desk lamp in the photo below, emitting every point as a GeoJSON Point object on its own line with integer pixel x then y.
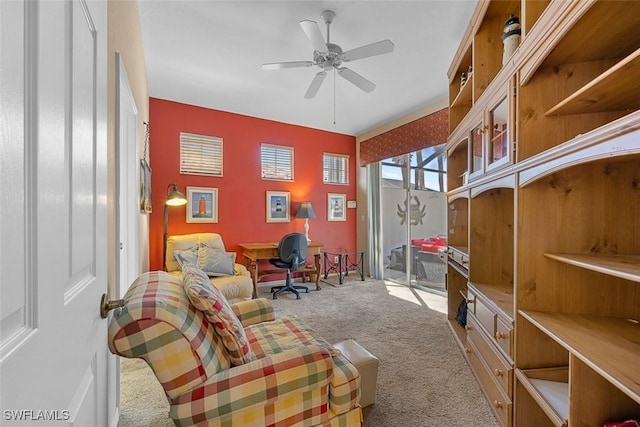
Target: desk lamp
{"type": "Point", "coordinates": [174, 198]}
{"type": "Point", "coordinates": [306, 211]}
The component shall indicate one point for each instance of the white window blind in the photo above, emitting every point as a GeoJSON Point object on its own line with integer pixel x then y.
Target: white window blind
{"type": "Point", "coordinates": [277, 162]}
{"type": "Point", "coordinates": [335, 168]}
{"type": "Point", "coordinates": [200, 155]}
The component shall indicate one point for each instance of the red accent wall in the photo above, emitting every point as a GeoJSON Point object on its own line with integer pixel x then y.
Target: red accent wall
{"type": "Point", "coordinates": [241, 191]}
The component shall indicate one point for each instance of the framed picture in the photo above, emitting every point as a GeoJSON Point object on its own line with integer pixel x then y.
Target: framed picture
{"type": "Point", "coordinates": [145, 187]}
{"type": "Point", "coordinates": [202, 204]}
{"type": "Point", "coordinates": [278, 206]}
{"type": "Point", "coordinates": [336, 207]}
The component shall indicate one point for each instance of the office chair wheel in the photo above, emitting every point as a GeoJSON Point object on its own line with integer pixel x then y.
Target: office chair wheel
{"type": "Point", "coordinates": [297, 296]}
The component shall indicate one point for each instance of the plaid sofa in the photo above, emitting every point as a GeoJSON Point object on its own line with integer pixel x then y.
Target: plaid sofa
{"type": "Point", "coordinates": [295, 378]}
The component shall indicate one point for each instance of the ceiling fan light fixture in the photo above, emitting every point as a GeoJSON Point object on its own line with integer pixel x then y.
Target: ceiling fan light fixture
{"type": "Point", "coordinates": [329, 56]}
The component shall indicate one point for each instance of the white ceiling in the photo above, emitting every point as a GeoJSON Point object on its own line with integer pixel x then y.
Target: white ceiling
{"type": "Point", "coordinates": [209, 53]}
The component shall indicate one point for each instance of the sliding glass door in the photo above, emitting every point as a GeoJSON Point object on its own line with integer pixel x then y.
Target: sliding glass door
{"type": "Point", "coordinates": [413, 218]}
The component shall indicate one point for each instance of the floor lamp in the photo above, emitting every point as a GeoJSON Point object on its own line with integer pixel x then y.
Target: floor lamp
{"type": "Point", "coordinates": [306, 211]}
{"type": "Point", "coordinates": [174, 198]}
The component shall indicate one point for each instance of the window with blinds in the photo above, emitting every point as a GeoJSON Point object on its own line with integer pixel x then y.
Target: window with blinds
{"type": "Point", "coordinates": [200, 155]}
{"type": "Point", "coordinates": [335, 168]}
{"type": "Point", "coordinates": [277, 162]}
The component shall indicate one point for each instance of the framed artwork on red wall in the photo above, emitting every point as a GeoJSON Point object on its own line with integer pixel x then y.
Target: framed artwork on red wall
{"type": "Point", "coordinates": [278, 206]}
{"type": "Point", "coordinates": [336, 207]}
{"type": "Point", "coordinates": [202, 204]}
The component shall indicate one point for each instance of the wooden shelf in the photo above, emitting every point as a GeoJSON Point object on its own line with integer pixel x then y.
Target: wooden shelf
{"type": "Point", "coordinates": [609, 346]}
{"type": "Point", "coordinates": [600, 29]}
{"type": "Point", "coordinates": [464, 97]}
{"type": "Point", "coordinates": [501, 296]}
{"type": "Point", "coordinates": [617, 89]}
{"type": "Point", "coordinates": [551, 395]}
{"type": "Point", "coordinates": [623, 266]}
{"type": "Point", "coordinates": [457, 164]}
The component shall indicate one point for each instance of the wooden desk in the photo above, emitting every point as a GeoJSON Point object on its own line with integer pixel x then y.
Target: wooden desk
{"type": "Point", "coordinates": [254, 252]}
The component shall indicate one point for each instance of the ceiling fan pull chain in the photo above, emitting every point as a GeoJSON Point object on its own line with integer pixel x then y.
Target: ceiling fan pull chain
{"type": "Point", "coordinates": [334, 96]}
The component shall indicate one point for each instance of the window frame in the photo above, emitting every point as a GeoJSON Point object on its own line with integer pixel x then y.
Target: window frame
{"type": "Point", "coordinates": [214, 144]}
{"type": "Point", "coordinates": [276, 166]}
{"type": "Point", "coordinates": [334, 158]}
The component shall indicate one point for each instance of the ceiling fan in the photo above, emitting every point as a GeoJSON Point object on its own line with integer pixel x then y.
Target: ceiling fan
{"type": "Point", "coordinates": [329, 56]}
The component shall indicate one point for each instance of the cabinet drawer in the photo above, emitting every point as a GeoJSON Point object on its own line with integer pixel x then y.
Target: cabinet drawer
{"type": "Point", "coordinates": [498, 400]}
{"type": "Point", "coordinates": [504, 336]}
{"type": "Point", "coordinates": [500, 369]}
{"type": "Point", "coordinates": [485, 315]}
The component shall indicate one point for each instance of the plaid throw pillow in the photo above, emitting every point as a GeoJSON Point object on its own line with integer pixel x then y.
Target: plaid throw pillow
{"type": "Point", "coordinates": [208, 299]}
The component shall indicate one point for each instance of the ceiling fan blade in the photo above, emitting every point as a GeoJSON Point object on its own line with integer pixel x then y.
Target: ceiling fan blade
{"type": "Point", "coordinates": [373, 49]}
{"type": "Point", "coordinates": [356, 79]}
{"type": "Point", "coordinates": [314, 34]}
{"type": "Point", "coordinates": [315, 85]}
{"type": "Point", "coordinates": [281, 65]}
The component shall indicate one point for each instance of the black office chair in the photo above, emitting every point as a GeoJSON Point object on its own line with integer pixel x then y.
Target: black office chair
{"type": "Point", "coordinates": [292, 254]}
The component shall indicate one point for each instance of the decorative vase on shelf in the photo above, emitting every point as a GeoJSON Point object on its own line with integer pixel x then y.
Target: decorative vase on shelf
{"type": "Point", "coordinates": [510, 37]}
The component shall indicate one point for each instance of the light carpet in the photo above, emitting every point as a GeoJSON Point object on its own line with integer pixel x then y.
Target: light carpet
{"type": "Point", "coordinates": [423, 379]}
{"type": "Point", "coordinates": [334, 280]}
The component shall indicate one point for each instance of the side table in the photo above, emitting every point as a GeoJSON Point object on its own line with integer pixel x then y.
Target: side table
{"type": "Point", "coordinates": [341, 262]}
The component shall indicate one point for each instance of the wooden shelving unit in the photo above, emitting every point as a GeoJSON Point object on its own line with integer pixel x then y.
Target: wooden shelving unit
{"type": "Point", "coordinates": [552, 231]}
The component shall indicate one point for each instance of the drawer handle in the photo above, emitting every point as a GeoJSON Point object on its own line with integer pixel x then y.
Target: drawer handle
{"type": "Point", "coordinates": [499, 372]}
{"type": "Point", "coordinates": [471, 301]}
{"type": "Point", "coordinates": [468, 350]}
{"type": "Point", "coordinates": [468, 328]}
{"type": "Point", "coordinates": [501, 336]}
{"type": "Point", "coordinates": [465, 262]}
{"type": "Point", "coordinates": [497, 404]}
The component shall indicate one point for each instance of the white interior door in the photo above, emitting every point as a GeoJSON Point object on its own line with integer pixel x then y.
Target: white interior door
{"type": "Point", "coordinates": [53, 355]}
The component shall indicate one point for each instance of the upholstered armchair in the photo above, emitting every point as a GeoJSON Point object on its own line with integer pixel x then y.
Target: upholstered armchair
{"type": "Point", "coordinates": [208, 252]}
{"type": "Point", "coordinates": [234, 366]}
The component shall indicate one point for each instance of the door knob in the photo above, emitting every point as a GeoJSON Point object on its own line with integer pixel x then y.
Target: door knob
{"type": "Point", "coordinates": [107, 305]}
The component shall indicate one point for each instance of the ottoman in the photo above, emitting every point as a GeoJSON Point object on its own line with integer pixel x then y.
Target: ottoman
{"type": "Point", "coordinates": [367, 365]}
